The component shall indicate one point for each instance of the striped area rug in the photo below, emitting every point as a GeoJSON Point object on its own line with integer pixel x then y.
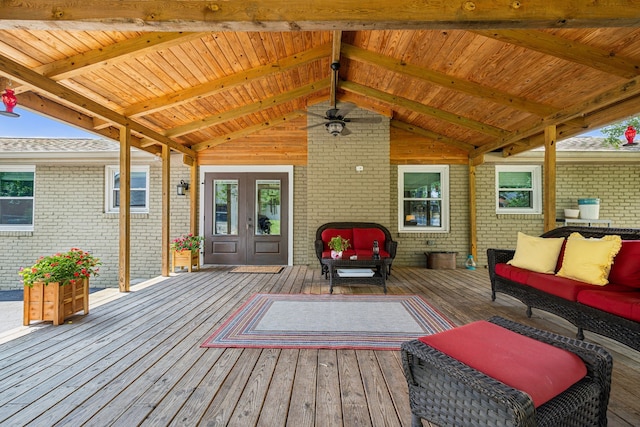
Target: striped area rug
{"type": "Point", "coordinates": [372, 322]}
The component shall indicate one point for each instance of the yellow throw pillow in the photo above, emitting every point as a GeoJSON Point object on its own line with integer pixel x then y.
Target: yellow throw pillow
{"type": "Point", "coordinates": [537, 254]}
{"type": "Point", "coordinates": [589, 260]}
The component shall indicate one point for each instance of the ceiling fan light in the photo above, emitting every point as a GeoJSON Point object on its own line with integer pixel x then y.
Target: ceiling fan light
{"type": "Point", "coordinates": [335, 128]}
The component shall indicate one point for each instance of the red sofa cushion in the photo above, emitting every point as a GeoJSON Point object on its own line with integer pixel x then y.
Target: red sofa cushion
{"type": "Point", "coordinates": [329, 233]}
{"type": "Point", "coordinates": [540, 370]}
{"type": "Point", "coordinates": [559, 286]}
{"type": "Point", "coordinates": [363, 238]}
{"type": "Point", "coordinates": [510, 272]}
{"type": "Point", "coordinates": [623, 304]}
{"type": "Point", "coordinates": [626, 265]}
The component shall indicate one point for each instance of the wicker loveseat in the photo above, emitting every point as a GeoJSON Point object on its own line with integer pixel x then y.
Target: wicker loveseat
{"type": "Point", "coordinates": [612, 310]}
{"type": "Point", "coordinates": [360, 235]}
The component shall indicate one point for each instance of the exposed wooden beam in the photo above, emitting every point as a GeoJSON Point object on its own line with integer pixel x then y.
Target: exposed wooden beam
{"type": "Point", "coordinates": [335, 58]}
{"type": "Point", "coordinates": [424, 109]}
{"type": "Point", "coordinates": [432, 135]}
{"type": "Point", "coordinates": [226, 83]}
{"type": "Point", "coordinates": [283, 15]}
{"type": "Point", "coordinates": [568, 50]}
{"type": "Point", "coordinates": [246, 131]}
{"type": "Point", "coordinates": [47, 107]}
{"type": "Point", "coordinates": [600, 101]}
{"type": "Point", "coordinates": [43, 84]}
{"type": "Point", "coordinates": [593, 120]}
{"type": "Point", "coordinates": [249, 108]}
{"type": "Point", "coordinates": [118, 52]}
{"type": "Point", "coordinates": [434, 77]}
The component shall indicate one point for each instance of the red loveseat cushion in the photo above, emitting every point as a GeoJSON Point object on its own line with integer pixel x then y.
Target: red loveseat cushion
{"type": "Point", "coordinates": [510, 272]}
{"type": "Point", "coordinates": [538, 369]}
{"type": "Point", "coordinates": [363, 238]}
{"type": "Point", "coordinates": [566, 288]}
{"type": "Point", "coordinates": [625, 269]}
{"type": "Point", "coordinates": [623, 304]}
{"type": "Point", "coordinates": [329, 233]}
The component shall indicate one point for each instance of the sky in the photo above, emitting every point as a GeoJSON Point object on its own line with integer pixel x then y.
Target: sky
{"type": "Point", "coordinates": [32, 125]}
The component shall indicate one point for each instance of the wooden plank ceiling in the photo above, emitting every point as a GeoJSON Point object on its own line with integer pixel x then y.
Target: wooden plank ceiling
{"type": "Point", "coordinates": [197, 75]}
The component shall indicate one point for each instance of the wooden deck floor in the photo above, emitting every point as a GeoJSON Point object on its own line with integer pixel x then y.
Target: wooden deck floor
{"type": "Point", "coordinates": [136, 360]}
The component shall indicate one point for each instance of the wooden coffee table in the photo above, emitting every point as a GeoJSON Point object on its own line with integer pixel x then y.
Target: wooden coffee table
{"type": "Point", "coordinates": [339, 271]}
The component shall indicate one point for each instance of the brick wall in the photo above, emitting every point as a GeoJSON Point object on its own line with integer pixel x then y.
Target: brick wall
{"type": "Point", "coordinates": [412, 246]}
{"type": "Point", "coordinates": [614, 185]}
{"type": "Point", "coordinates": [69, 212]}
{"type": "Point", "coordinates": [334, 190]}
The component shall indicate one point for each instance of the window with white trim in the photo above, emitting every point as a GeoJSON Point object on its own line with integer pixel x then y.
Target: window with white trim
{"type": "Point", "coordinates": [518, 189]}
{"type": "Point", "coordinates": [17, 197]}
{"type": "Point", "coordinates": [139, 201]}
{"type": "Point", "coordinates": [423, 198]}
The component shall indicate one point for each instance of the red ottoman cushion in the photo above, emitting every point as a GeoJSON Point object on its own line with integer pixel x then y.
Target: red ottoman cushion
{"type": "Point", "coordinates": [538, 369]}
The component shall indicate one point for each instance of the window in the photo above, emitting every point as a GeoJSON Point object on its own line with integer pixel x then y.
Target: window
{"type": "Point", "coordinates": [139, 189]}
{"type": "Point", "coordinates": [518, 189]}
{"type": "Point", "coordinates": [423, 199]}
{"type": "Point", "coordinates": [17, 197]}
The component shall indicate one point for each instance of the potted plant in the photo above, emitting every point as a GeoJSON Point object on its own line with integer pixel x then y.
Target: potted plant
{"type": "Point", "coordinates": [185, 251]}
{"type": "Point", "coordinates": [338, 244]}
{"type": "Point", "coordinates": [57, 286]}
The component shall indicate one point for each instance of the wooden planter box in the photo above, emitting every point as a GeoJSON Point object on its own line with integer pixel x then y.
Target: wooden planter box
{"type": "Point", "coordinates": [54, 302]}
{"type": "Point", "coordinates": [185, 259]}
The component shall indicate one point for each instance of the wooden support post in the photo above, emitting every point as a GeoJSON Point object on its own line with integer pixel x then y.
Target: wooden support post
{"type": "Point", "coordinates": [193, 195]}
{"type": "Point", "coordinates": [549, 178]}
{"type": "Point", "coordinates": [473, 221]}
{"type": "Point", "coordinates": [124, 255]}
{"type": "Point", "coordinates": [166, 208]}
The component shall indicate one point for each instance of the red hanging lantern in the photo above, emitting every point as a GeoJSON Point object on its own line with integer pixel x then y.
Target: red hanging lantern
{"type": "Point", "coordinates": [630, 134]}
{"type": "Point", "coordinates": [9, 100]}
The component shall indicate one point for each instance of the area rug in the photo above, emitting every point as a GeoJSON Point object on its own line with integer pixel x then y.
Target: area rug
{"type": "Point", "coordinates": [268, 269]}
{"type": "Point", "coordinates": [372, 322]}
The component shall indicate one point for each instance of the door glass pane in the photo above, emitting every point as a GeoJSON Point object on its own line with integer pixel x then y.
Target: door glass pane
{"type": "Point", "coordinates": [268, 206]}
{"type": "Point", "coordinates": [225, 207]}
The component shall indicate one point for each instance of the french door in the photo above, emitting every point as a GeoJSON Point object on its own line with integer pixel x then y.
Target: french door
{"type": "Point", "coordinates": [246, 218]}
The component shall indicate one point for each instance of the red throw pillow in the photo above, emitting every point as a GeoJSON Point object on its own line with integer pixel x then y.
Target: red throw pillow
{"type": "Point", "coordinates": [363, 238]}
{"type": "Point", "coordinates": [625, 269]}
{"type": "Point", "coordinates": [329, 233]}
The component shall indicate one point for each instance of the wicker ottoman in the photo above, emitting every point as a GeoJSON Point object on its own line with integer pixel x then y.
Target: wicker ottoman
{"type": "Point", "coordinates": [447, 392]}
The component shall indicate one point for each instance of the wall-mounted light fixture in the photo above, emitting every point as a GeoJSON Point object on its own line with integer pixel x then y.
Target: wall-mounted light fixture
{"type": "Point", "coordinates": [182, 188]}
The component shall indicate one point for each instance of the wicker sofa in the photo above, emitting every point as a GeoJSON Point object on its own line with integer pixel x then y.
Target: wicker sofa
{"type": "Point", "coordinates": [361, 236]}
{"type": "Point", "coordinates": [612, 310]}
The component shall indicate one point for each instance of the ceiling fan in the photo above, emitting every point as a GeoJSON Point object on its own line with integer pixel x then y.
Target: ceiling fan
{"type": "Point", "coordinates": [336, 119]}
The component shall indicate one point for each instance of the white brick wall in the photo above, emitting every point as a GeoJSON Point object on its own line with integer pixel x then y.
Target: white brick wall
{"type": "Point", "coordinates": [334, 190]}
{"type": "Point", "coordinates": [615, 185]}
{"type": "Point", "coordinates": [69, 212]}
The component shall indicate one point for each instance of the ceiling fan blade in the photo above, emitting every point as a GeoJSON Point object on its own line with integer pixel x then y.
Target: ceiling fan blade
{"type": "Point", "coordinates": [364, 120]}
{"type": "Point", "coordinates": [332, 113]}
{"type": "Point", "coordinates": [345, 109]}
{"type": "Point", "coordinates": [311, 113]}
{"type": "Point", "coordinates": [345, 131]}
{"type": "Point", "coordinates": [316, 125]}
